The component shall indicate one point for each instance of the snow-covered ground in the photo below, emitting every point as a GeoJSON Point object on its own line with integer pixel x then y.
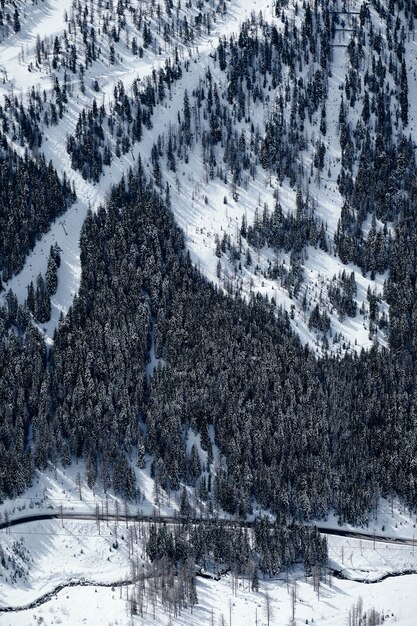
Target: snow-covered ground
{"type": "Point", "coordinates": [61, 551]}
{"type": "Point", "coordinates": [76, 551]}
{"type": "Point", "coordinates": [395, 598]}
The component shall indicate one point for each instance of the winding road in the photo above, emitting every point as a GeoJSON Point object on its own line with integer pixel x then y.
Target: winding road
{"type": "Point", "coordinates": [170, 519]}
{"type": "Point", "coordinates": [6, 524]}
{"type": "Point", "coordinates": [122, 517]}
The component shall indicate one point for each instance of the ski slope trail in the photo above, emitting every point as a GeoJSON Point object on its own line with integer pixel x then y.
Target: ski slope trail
{"type": "Point", "coordinates": [203, 208]}
{"type": "Point", "coordinates": [15, 55]}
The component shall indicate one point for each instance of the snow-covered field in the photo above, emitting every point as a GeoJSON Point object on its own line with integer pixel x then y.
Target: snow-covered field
{"type": "Point", "coordinates": [61, 551]}
{"type": "Point", "coordinates": [395, 598]}
{"type": "Point", "coordinates": [76, 551]}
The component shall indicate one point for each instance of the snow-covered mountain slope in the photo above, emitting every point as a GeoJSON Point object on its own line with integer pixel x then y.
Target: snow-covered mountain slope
{"type": "Point", "coordinates": [38, 55]}
{"type": "Point", "coordinates": [283, 138]}
{"type": "Point", "coordinates": [21, 73]}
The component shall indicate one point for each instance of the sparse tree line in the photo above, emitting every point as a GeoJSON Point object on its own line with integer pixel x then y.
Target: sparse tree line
{"type": "Point", "coordinates": [102, 31]}
{"type": "Point", "coordinates": [177, 552]}
{"type": "Point", "coordinates": [10, 17]}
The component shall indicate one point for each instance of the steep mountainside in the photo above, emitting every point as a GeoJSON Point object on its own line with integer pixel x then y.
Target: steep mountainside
{"type": "Point", "coordinates": [273, 139]}
{"type": "Point", "coordinates": [208, 232]}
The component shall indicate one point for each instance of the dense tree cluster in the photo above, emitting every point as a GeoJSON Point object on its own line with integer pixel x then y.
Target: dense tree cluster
{"type": "Point", "coordinates": [268, 547]}
{"type": "Point", "coordinates": [285, 424]}
{"type": "Point", "coordinates": [373, 121]}
{"type": "Point", "coordinates": [38, 299]}
{"type": "Point", "coordinates": [341, 294]}
{"type": "Point", "coordinates": [319, 320]}
{"type": "Point", "coordinates": [31, 196]}
{"type": "Point", "coordinates": [288, 232]}
{"type": "Point", "coordinates": [116, 325]}
{"type": "Point", "coordinates": [22, 375]}
{"type": "Point", "coordinates": [92, 146]}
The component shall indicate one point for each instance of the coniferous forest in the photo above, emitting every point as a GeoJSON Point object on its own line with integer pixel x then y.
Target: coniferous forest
{"type": "Point", "coordinates": [279, 427]}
